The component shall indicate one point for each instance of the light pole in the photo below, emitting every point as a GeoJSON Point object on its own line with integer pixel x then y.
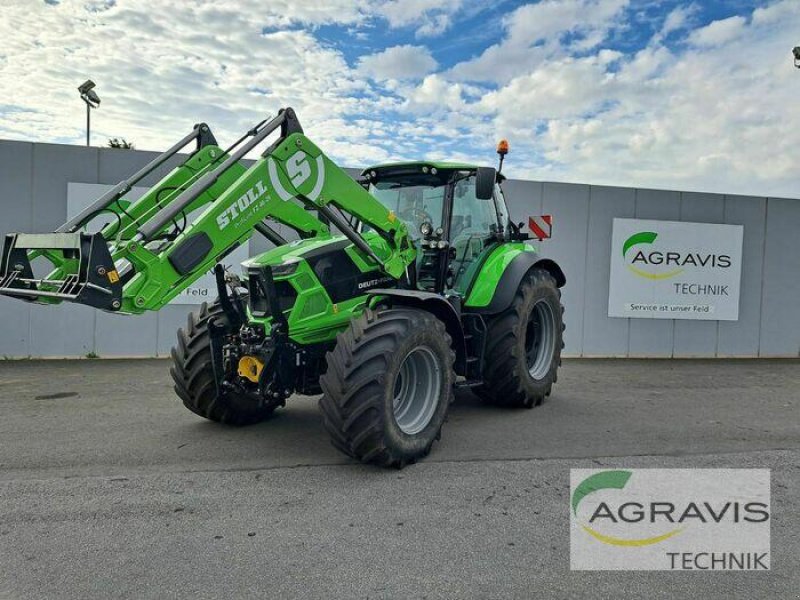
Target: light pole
{"type": "Point", "coordinates": [89, 96]}
{"type": "Point", "coordinates": [796, 53]}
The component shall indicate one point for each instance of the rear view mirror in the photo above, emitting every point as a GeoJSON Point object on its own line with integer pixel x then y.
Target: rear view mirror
{"type": "Point", "coordinates": [485, 178]}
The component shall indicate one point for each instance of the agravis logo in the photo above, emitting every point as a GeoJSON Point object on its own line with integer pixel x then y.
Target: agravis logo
{"type": "Point", "coordinates": [614, 480]}
{"type": "Point", "coordinates": [650, 262]}
{"type": "Point", "coordinates": [671, 519]}
{"type": "Point", "coordinates": [644, 237]}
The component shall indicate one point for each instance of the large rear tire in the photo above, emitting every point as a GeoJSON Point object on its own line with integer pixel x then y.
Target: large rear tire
{"type": "Point", "coordinates": [523, 345]}
{"type": "Point", "coordinates": [388, 386]}
{"type": "Point", "coordinates": [193, 374]}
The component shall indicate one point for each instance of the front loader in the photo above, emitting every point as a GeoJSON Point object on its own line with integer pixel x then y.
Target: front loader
{"type": "Point", "coordinates": [402, 286]}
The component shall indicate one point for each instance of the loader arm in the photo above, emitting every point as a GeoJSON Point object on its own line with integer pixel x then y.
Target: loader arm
{"type": "Point", "coordinates": [293, 170]}
{"type": "Point", "coordinates": [192, 219]}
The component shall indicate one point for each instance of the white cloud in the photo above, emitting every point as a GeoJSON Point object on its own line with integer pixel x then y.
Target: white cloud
{"type": "Point", "coordinates": [398, 62]}
{"type": "Point", "coordinates": [702, 117]}
{"type": "Point", "coordinates": [710, 110]}
{"type": "Point", "coordinates": [718, 32]}
{"type": "Point", "coordinates": [547, 20]}
{"type": "Point", "coordinates": [775, 12]}
{"type": "Point", "coordinates": [557, 89]}
{"type": "Point", "coordinates": [161, 67]}
{"type": "Point", "coordinates": [435, 94]}
{"type": "Point", "coordinates": [535, 32]}
{"type": "Point", "coordinates": [677, 19]}
{"type": "Point", "coordinates": [708, 118]}
{"type": "Point", "coordinates": [431, 18]}
{"type": "Point", "coordinates": [437, 25]}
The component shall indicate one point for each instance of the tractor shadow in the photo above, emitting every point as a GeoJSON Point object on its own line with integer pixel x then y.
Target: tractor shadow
{"type": "Point", "coordinates": [295, 435]}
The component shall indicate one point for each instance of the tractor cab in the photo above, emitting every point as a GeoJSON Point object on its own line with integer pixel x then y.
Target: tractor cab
{"type": "Point", "coordinates": [454, 212]}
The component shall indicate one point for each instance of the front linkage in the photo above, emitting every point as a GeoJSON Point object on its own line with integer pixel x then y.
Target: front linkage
{"type": "Point", "coordinates": [245, 361]}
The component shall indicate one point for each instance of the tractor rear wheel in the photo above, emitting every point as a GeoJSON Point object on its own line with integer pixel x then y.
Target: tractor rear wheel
{"type": "Point", "coordinates": [193, 374]}
{"type": "Point", "coordinates": [523, 345]}
{"type": "Point", "coordinates": [388, 386]}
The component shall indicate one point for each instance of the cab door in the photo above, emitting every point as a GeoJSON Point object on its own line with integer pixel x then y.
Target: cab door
{"type": "Point", "coordinates": [474, 230]}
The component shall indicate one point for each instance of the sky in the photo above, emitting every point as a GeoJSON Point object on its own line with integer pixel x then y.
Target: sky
{"type": "Point", "coordinates": [649, 93]}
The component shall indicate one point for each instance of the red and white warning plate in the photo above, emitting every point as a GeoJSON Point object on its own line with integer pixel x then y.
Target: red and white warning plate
{"type": "Point", "coordinates": [541, 226]}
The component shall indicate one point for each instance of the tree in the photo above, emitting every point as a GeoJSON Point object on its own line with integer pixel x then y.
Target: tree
{"type": "Point", "coordinates": [121, 143]}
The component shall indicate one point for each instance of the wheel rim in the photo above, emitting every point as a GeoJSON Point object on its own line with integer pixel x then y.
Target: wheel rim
{"type": "Point", "coordinates": [416, 390]}
{"type": "Point", "coordinates": [540, 339]}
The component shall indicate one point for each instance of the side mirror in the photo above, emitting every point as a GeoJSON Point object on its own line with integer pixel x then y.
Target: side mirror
{"type": "Point", "coordinates": [485, 178]}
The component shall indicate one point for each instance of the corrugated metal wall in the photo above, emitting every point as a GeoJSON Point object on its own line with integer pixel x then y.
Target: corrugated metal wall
{"type": "Point", "coordinates": [33, 197]}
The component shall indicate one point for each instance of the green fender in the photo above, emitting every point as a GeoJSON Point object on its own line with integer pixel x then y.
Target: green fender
{"type": "Point", "coordinates": [500, 274]}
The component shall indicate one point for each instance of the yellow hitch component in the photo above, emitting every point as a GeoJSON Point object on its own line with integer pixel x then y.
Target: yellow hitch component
{"type": "Point", "coordinates": [250, 368]}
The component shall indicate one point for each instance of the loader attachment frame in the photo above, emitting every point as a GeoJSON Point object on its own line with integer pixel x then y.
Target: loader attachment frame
{"type": "Point", "coordinates": [200, 212]}
{"type": "Point", "coordinates": [95, 282]}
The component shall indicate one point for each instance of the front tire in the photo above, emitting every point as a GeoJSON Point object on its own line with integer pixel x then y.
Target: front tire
{"type": "Point", "coordinates": [388, 386]}
{"type": "Point", "coordinates": [523, 345]}
{"type": "Point", "coordinates": [193, 374]}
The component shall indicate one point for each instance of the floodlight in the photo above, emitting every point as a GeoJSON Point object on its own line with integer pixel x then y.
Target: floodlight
{"type": "Point", "coordinates": [91, 99]}
{"type": "Point", "coordinates": [86, 86]}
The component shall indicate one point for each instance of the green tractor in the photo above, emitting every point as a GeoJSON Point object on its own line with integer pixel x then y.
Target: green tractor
{"type": "Point", "coordinates": [401, 286]}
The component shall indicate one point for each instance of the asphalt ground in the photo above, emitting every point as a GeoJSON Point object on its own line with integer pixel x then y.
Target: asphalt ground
{"type": "Point", "coordinates": [109, 488]}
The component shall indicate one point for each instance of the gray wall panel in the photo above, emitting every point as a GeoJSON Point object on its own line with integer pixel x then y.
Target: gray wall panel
{"type": "Point", "coordinates": [64, 330]}
{"type": "Point", "coordinates": [55, 166]}
{"type": "Point", "coordinates": [524, 198]}
{"type": "Point", "coordinates": [16, 186]}
{"type": "Point", "coordinates": [698, 338]}
{"type": "Point", "coordinates": [780, 302]}
{"type": "Point", "coordinates": [569, 205]}
{"type": "Point", "coordinates": [126, 335]}
{"type": "Point", "coordinates": [740, 338]}
{"type": "Point", "coordinates": [14, 328]}
{"type": "Point", "coordinates": [653, 337]}
{"type": "Point", "coordinates": [603, 335]}
{"type": "Point", "coordinates": [33, 190]}
{"type": "Point", "coordinates": [16, 178]}
{"type": "Point", "coordinates": [116, 164]}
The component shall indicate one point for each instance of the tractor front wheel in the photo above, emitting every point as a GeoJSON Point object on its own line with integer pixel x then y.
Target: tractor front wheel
{"type": "Point", "coordinates": [523, 345]}
{"type": "Point", "coordinates": [193, 375]}
{"type": "Point", "coordinates": [388, 386]}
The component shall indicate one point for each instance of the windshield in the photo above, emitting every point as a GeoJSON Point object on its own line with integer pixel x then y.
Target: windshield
{"type": "Point", "coordinates": [414, 204]}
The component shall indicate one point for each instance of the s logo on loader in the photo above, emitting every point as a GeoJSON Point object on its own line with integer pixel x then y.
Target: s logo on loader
{"type": "Point", "coordinates": [299, 169]}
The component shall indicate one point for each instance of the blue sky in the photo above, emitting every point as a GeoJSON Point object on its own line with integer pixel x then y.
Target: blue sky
{"type": "Point", "coordinates": [480, 26]}
{"type": "Point", "coordinates": [691, 95]}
